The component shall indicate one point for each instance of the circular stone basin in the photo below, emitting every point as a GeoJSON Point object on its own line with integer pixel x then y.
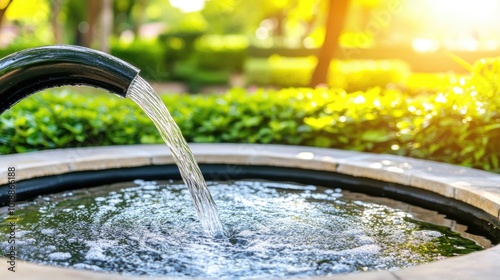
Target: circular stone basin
{"type": "Point", "coordinates": [273, 229]}
{"type": "Point", "coordinates": [461, 193]}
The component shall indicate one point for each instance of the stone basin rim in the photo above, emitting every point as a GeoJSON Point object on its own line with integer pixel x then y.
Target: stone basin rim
{"type": "Point", "coordinates": [477, 188]}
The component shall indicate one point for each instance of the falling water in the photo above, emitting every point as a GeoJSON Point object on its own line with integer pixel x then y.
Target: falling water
{"type": "Point", "coordinates": [143, 94]}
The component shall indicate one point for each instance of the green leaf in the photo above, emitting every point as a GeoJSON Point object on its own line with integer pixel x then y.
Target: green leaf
{"type": "Point", "coordinates": [494, 161]}
{"type": "Point", "coordinates": [479, 153]}
{"type": "Point", "coordinates": [204, 139]}
{"type": "Point", "coordinates": [252, 121]}
{"type": "Point", "coordinates": [466, 65]}
{"type": "Point", "coordinates": [490, 127]}
{"type": "Point", "coordinates": [322, 141]}
{"type": "Point", "coordinates": [375, 136]}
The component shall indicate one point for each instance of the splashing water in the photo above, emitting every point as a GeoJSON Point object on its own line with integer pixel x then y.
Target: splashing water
{"type": "Point", "coordinates": [275, 229]}
{"type": "Point", "coordinates": [144, 95]}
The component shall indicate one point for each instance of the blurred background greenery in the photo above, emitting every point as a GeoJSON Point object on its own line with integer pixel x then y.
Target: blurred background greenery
{"type": "Point", "coordinates": [414, 78]}
{"type": "Point", "coordinates": [203, 42]}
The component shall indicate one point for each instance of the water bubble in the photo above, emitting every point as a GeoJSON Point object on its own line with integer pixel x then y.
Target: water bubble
{"type": "Point", "coordinates": [48, 231]}
{"type": "Point", "coordinates": [50, 248]}
{"type": "Point", "coordinates": [87, 267]}
{"type": "Point", "coordinates": [59, 256]}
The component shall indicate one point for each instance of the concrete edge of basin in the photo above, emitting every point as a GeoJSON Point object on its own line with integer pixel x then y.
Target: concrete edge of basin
{"type": "Point", "coordinates": [474, 187]}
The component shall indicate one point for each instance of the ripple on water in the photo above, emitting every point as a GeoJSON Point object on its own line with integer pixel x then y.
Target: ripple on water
{"type": "Point", "coordinates": [274, 229]}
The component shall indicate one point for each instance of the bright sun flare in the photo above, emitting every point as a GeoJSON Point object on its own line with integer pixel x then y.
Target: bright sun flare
{"type": "Point", "coordinates": [188, 6]}
{"type": "Point", "coordinates": [457, 25]}
{"type": "Point", "coordinates": [467, 9]}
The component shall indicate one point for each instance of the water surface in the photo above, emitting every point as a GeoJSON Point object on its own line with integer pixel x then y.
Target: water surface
{"type": "Point", "coordinates": [273, 229]}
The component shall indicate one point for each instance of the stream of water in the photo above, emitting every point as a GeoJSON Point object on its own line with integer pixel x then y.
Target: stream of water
{"type": "Point", "coordinates": [144, 95]}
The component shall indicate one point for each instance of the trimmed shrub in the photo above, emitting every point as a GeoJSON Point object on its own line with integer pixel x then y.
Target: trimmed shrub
{"type": "Point", "coordinates": [351, 75]}
{"type": "Point", "coordinates": [258, 72]}
{"type": "Point", "coordinates": [217, 52]}
{"type": "Point", "coordinates": [425, 83]}
{"type": "Point", "coordinates": [179, 45]}
{"type": "Point", "coordinates": [148, 56]}
{"type": "Point", "coordinates": [355, 75]}
{"type": "Point", "coordinates": [459, 125]}
{"type": "Point", "coordinates": [485, 76]}
{"type": "Point", "coordinates": [195, 78]}
{"type": "Point", "coordinates": [211, 60]}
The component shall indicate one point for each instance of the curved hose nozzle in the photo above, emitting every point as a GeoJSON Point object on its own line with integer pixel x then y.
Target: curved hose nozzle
{"type": "Point", "coordinates": [28, 71]}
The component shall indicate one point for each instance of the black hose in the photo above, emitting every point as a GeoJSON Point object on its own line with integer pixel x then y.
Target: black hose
{"type": "Point", "coordinates": [32, 70]}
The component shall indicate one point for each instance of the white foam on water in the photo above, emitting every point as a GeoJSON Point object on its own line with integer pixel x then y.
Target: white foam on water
{"type": "Point", "coordinates": [49, 231]}
{"type": "Point", "coordinates": [87, 267]}
{"type": "Point", "coordinates": [364, 250]}
{"type": "Point", "coordinates": [50, 248]}
{"type": "Point", "coordinates": [426, 235]}
{"type": "Point", "coordinates": [272, 232]}
{"type": "Point", "coordinates": [285, 186]}
{"type": "Point", "coordinates": [58, 256]}
{"type": "Point", "coordinates": [94, 254]}
{"type": "Point", "coordinates": [364, 239]}
{"type": "Point", "coordinates": [22, 233]}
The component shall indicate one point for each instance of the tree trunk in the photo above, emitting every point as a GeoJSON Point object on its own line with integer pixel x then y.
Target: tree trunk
{"type": "Point", "coordinates": [3, 10]}
{"type": "Point", "coordinates": [279, 34]}
{"type": "Point", "coordinates": [106, 25]}
{"type": "Point", "coordinates": [337, 11]}
{"type": "Point", "coordinates": [92, 15]}
{"type": "Point", "coordinates": [137, 23]}
{"type": "Point", "coordinates": [57, 28]}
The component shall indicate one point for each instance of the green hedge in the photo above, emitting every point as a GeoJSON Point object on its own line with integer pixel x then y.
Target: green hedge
{"type": "Point", "coordinates": [195, 78]}
{"type": "Point", "coordinates": [199, 60]}
{"type": "Point", "coordinates": [351, 75]}
{"type": "Point", "coordinates": [179, 45]}
{"type": "Point", "coordinates": [221, 52]}
{"type": "Point", "coordinates": [425, 83]}
{"type": "Point", "coordinates": [459, 125]}
{"type": "Point", "coordinates": [149, 56]}
{"type": "Point", "coordinates": [66, 119]}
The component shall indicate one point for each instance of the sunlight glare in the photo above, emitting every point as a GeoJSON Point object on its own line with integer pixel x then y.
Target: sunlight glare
{"type": "Point", "coordinates": [188, 6]}
{"type": "Point", "coordinates": [462, 25]}
{"type": "Point", "coordinates": [465, 15]}
{"type": "Point", "coordinates": [424, 45]}
{"type": "Point", "coordinates": [467, 8]}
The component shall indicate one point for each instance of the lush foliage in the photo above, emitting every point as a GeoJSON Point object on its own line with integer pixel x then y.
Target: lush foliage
{"type": "Point", "coordinates": [49, 120]}
{"type": "Point", "coordinates": [458, 125]}
{"type": "Point", "coordinates": [194, 77]}
{"type": "Point", "coordinates": [431, 83]}
{"type": "Point", "coordinates": [351, 75]}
